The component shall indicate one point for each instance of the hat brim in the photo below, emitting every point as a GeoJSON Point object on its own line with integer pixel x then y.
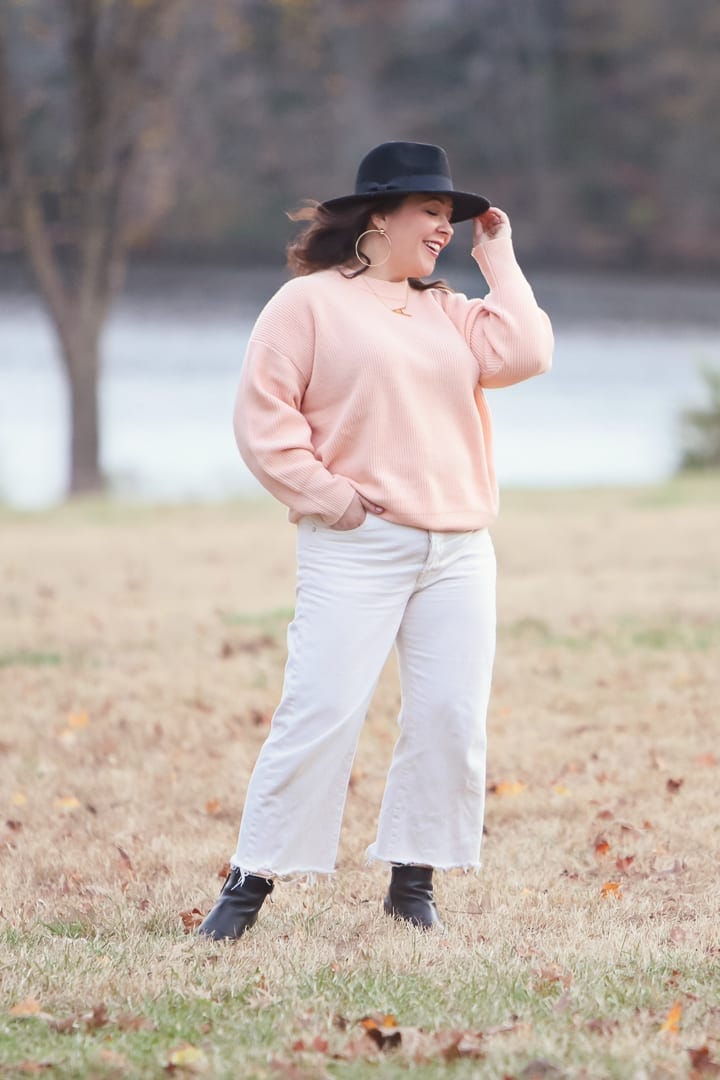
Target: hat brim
{"type": "Point", "coordinates": [466, 205]}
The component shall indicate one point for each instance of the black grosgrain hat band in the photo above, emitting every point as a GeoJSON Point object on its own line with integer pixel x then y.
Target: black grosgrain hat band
{"type": "Point", "coordinates": [403, 168]}
{"type": "Point", "coordinates": [403, 183]}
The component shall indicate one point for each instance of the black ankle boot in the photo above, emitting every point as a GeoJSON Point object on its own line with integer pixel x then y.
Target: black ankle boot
{"type": "Point", "coordinates": [237, 906]}
{"type": "Point", "coordinates": [410, 896]}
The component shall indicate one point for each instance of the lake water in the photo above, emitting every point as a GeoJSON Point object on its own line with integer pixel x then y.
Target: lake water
{"type": "Point", "coordinates": [607, 414]}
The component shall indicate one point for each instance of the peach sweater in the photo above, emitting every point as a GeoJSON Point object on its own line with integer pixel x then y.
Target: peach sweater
{"type": "Point", "coordinates": [339, 394]}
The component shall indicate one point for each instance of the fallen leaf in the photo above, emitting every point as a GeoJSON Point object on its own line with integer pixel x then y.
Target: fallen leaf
{"type": "Point", "coordinates": [113, 1058]}
{"type": "Point", "coordinates": [67, 803]}
{"type": "Point", "coordinates": [125, 861]}
{"type": "Point", "coordinates": [554, 974]}
{"type": "Point", "coordinates": [702, 1064]}
{"type": "Point", "coordinates": [673, 786]}
{"type": "Point", "coordinates": [378, 1020]}
{"type": "Point", "coordinates": [212, 806]}
{"type": "Point", "coordinates": [363, 1047]}
{"type": "Point", "coordinates": [187, 1057]}
{"type": "Point", "coordinates": [320, 1044]}
{"type": "Point", "coordinates": [624, 862]}
{"type": "Point", "coordinates": [383, 1030]}
{"type": "Point", "coordinates": [538, 1069]}
{"type": "Point", "coordinates": [461, 1044]}
{"type": "Point", "coordinates": [77, 721]}
{"type": "Point", "coordinates": [612, 888]}
{"type": "Point", "coordinates": [32, 1066]}
{"type": "Point", "coordinates": [191, 919]}
{"type": "Point", "coordinates": [97, 1018]}
{"type": "Point", "coordinates": [602, 1026]}
{"type": "Point", "coordinates": [90, 1021]}
{"type": "Point", "coordinates": [671, 1024]}
{"type": "Point", "coordinates": [508, 787]}
{"type": "Point", "coordinates": [27, 1007]}
{"type": "Point", "coordinates": [129, 1022]}
{"type": "Point", "coordinates": [289, 1069]}
{"type": "Point", "coordinates": [63, 1027]}
{"type": "Point", "coordinates": [602, 845]}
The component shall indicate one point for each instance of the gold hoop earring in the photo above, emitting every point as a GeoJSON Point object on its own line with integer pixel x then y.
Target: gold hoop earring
{"type": "Point", "coordinates": [361, 258]}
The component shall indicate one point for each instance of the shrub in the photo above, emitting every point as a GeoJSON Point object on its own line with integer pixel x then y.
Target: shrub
{"type": "Point", "coordinates": [701, 428]}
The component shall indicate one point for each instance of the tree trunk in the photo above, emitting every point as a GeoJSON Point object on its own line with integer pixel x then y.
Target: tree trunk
{"type": "Point", "coordinates": [81, 355]}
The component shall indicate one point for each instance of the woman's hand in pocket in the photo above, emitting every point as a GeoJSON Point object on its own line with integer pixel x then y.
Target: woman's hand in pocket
{"type": "Point", "coordinates": [356, 513]}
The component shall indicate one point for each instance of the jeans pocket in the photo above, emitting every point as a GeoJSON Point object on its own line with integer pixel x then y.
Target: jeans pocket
{"type": "Point", "coordinates": [349, 532]}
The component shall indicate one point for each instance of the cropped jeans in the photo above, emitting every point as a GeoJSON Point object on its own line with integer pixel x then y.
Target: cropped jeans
{"type": "Point", "coordinates": [359, 592]}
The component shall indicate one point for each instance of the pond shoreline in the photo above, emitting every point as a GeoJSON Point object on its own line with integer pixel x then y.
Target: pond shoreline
{"type": "Point", "coordinates": [569, 297]}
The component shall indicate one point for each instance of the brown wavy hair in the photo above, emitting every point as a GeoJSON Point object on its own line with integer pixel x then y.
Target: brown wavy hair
{"type": "Point", "coordinates": [329, 238]}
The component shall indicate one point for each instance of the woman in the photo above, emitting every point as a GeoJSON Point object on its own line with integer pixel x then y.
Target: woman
{"type": "Point", "coordinates": [361, 407]}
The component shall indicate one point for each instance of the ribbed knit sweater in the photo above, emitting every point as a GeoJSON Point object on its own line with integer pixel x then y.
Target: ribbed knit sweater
{"type": "Point", "coordinates": [340, 394]}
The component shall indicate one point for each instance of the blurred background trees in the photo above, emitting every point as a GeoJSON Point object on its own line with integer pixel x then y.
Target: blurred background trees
{"type": "Point", "coordinates": [595, 123]}
{"type": "Point", "coordinates": [86, 95]}
{"type": "Point", "coordinates": [184, 131]}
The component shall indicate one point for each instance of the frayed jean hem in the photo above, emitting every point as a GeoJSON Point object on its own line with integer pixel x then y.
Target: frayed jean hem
{"type": "Point", "coordinates": [306, 877]}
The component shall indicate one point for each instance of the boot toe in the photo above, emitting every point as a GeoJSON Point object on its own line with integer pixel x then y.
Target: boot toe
{"type": "Point", "coordinates": [237, 908]}
{"type": "Point", "coordinates": [424, 915]}
{"type": "Point", "coordinates": [225, 922]}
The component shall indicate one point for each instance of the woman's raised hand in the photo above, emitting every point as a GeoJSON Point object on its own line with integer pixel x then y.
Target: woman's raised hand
{"type": "Point", "coordinates": [491, 225]}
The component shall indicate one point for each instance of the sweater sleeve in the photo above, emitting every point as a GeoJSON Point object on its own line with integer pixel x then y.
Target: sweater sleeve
{"type": "Point", "coordinates": [509, 335]}
{"type": "Point", "coordinates": [273, 436]}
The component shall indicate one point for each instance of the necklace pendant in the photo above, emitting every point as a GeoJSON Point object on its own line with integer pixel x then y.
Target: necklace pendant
{"type": "Point", "coordinates": [401, 311]}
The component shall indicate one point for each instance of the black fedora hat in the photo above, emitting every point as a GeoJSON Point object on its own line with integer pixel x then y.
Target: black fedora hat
{"type": "Point", "coordinates": [408, 168]}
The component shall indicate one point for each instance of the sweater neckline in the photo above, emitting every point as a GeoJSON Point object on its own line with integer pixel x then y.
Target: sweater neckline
{"type": "Point", "coordinates": [397, 291]}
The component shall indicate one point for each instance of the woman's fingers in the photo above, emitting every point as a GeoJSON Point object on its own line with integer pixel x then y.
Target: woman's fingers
{"type": "Point", "coordinates": [372, 507]}
{"type": "Point", "coordinates": [494, 222]}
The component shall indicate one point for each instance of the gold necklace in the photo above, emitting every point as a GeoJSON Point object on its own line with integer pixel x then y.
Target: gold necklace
{"type": "Point", "coordinates": [396, 310]}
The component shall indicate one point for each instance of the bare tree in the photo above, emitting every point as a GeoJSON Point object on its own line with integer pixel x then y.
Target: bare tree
{"type": "Point", "coordinates": [81, 197]}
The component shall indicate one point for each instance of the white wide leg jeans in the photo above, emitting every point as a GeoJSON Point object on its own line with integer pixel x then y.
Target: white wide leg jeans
{"type": "Point", "coordinates": [432, 594]}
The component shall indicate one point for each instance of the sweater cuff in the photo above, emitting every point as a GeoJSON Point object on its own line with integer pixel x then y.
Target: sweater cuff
{"type": "Point", "coordinates": [496, 260]}
{"type": "Point", "coordinates": [333, 516]}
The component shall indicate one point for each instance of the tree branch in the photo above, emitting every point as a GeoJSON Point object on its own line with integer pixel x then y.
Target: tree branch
{"type": "Point", "coordinates": [39, 247]}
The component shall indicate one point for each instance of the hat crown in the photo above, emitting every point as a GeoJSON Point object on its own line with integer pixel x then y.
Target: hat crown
{"type": "Point", "coordinates": [407, 168]}
{"type": "Point", "coordinates": [394, 161]}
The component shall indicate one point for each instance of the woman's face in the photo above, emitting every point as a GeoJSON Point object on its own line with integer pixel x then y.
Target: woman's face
{"type": "Point", "coordinates": [418, 229]}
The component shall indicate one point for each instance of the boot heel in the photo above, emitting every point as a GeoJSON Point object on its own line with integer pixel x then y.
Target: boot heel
{"type": "Point", "coordinates": [410, 897]}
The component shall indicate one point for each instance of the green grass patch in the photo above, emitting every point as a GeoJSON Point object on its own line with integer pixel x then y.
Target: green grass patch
{"type": "Point", "coordinates": [29, 658]}
{"type": "Point", "coordinates": [621, 635]}
{"type": "Point", "coordinates": [70, 929]}
{"type": "Point", "coordinates": [261, 620]}
{"type": "Point", "coordinates": [603, 1017]}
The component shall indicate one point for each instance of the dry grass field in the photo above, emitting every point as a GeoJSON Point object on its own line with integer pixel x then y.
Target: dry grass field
{"type": "Point", "coordinates": [141, 655]}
